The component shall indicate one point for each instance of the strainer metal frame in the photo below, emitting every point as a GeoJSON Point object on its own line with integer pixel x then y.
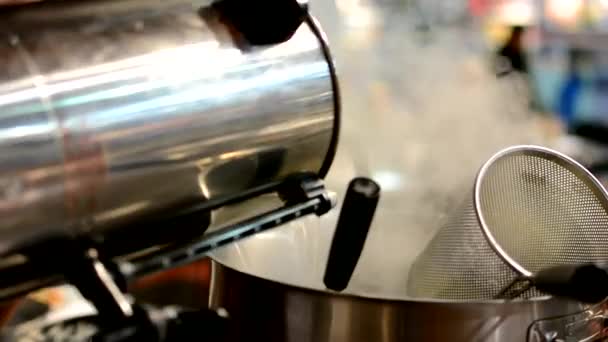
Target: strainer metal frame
{"type": "Point", "coordinates": [531, 150]}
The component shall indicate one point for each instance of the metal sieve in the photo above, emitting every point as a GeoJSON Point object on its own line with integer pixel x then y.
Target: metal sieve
{"type": "Point", "coordinates": [531, 208]}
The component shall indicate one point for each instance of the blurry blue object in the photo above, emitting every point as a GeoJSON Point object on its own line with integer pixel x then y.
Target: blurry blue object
{"type": "Point", "coordinates": [568, 98]}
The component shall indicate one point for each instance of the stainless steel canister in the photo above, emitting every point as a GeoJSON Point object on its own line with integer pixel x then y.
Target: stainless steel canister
{"type": "Point", "coordinates": [113, 110]}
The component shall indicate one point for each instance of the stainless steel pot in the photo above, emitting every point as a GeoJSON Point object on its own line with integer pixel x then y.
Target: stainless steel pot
{"type": "Point", "coordinates": [266, 310]}
{"type": "Point", "coordinates": [271, 287]}
{"type": "Point", "coordinates": [116, 110]}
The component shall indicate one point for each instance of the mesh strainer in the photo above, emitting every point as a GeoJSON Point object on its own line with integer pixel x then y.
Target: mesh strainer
{"type": "Point", "coordinates": [531, 208]}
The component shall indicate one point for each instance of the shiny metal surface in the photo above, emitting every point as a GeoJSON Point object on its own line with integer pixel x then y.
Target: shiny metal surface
{"type": "Point", "coordinates": [110, 110]}
{"type": "Point", "coordinates": [270, 311]}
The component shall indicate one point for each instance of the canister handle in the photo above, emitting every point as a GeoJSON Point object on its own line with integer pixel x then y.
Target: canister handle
{"type": "Point", "coordinates": [263, 22]}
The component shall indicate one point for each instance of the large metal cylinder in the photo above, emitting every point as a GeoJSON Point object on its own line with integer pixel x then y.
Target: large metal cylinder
{"type": "Point", "coordinates": [113, 110]}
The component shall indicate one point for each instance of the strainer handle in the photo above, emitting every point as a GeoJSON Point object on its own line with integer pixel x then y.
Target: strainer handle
{"type": "Point", "coordinates": [585, 283]}
{"type": "Point", "coordinates": [349, 238]}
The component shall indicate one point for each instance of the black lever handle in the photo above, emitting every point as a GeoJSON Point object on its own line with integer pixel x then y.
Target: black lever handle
{"type": "Point", "coordinates": [585, 283]}
{"type": "Point", "coordinates": [263, 22]}
{"type": "Point", "coordinates": [355, 219]}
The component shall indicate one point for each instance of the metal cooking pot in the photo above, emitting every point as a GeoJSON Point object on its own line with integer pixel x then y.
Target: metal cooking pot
{"type": "Point", "coordinates": [272, 311]}
{"type": "Point", "coordinates": [271, 287]}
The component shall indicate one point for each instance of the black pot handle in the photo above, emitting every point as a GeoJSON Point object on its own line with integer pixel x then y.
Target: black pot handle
{"type": "Point", "coordinates": [349, 238]}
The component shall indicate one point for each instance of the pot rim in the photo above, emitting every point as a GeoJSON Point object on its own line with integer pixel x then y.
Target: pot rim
{"type": "Point", "coordinates": [386, 298]}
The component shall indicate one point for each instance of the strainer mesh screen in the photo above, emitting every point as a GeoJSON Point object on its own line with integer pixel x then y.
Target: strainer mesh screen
{"type": "Point", "coordinates": [543, 211]}
{"type": "Point", "coordinates": [459, 263]}
{"type": "Point", "coordinates": [539, 208]}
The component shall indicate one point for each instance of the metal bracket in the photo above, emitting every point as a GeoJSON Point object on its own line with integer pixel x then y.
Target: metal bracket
{"type": "Point", "coordinates": [302, 195]}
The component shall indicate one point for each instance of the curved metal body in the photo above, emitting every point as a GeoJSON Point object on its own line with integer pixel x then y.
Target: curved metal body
{"type": "Point", "coordinates": [265, 310]}
{"type": "Point", "coordinates": [113, 110]}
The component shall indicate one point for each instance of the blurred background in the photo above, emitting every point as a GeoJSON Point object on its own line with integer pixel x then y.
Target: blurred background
{"type": "Point", "coordinates": [430, 90]}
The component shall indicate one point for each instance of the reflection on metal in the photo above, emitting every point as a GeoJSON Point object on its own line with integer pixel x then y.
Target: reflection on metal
{"type": "Point", "coordinates": [586, 326]}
